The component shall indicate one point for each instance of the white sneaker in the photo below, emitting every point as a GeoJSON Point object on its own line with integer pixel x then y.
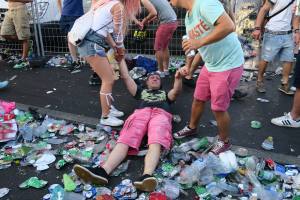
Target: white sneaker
{"type": "Point", "coordinates": [161, 74]}
{"type": "Point", "coordinates": [114, 112]}
{"type": "Point", "coordinates": [111, 121]}
{"type": "Point", "coordinates": [286, 121]}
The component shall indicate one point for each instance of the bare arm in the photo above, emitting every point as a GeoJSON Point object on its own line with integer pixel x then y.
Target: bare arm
{"type": "Point", "coordinates": [223, 26]}
{"type": "Point", "coordinates": [59, 5]}
{"type": "Point", "coordinates": [262, 13]}
{"type": "Point", "coordinates": [172, 95]}
{"type": "Point", "coordinates": [152, 11]}
{"type": "Point", "coordinates": [129, 82]}
{"type": "Point", "coordinates": [296, 22]}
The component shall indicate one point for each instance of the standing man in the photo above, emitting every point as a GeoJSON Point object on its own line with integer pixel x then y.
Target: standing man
{"type": "Point", "coordinates": [277, 40]}
{"type": "Point", "coordinates": [292, 119]}
{"type": "Point", "coordinates": [16, 27]}
{"type": "Point", "coordinates": [162, 10]}
{"type": "Point", "coordinates": [70, 11]}
{"type": "Point", "coordinates": [211, 31]}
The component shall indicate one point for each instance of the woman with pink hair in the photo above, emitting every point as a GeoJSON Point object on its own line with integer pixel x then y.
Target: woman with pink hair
{"type": "Point", "coordinates": [110, 16]}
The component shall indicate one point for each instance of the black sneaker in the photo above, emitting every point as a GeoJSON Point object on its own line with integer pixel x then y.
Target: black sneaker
{"type": "Point", "coordinates": [75, 67]}
{"type": "Point", "coordinates": [239, 94]}
{"type": "Point", "coordinates": [189, 82]}
{"type": "Point", "coordinates": [96, 176]}
{"type": "Point", "coordinates": [94, 79]}
{"type": "Point", "coordinates": [146, 183]}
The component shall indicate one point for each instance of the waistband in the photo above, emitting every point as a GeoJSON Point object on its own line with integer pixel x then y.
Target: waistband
{"type": "Point", "coordinates": [278, 32]}
{"type": "Point", "coordinates": [93, 36]}
{"type": "Point", "coordinates": [17, 7]}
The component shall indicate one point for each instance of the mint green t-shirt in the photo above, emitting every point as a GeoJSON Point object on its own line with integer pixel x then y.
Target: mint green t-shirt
{"type": "Point", "coordinates": [220, 56]}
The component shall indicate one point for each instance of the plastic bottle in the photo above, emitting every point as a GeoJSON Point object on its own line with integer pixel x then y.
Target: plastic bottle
{"type": "Point", "coordinates": [267, 175]}
{"type": "Point", "coordinates": [189, 53]}
{"type": "Point", "coordinates": [200, 144]}
{"type": "Point", "coordinates": [57, 192]}
{"type": "Point", "coordinates": [27, 133]}
{"type": "Point", "coordinates": [268, 143]}
{"type": "Point", "coordinates": [213, 189]}
{"type": "Point", "coordinates": [191, 173]}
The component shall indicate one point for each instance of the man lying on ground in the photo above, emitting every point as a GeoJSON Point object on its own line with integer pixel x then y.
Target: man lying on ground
{"type": "Point", "coordinates": [154, 118]}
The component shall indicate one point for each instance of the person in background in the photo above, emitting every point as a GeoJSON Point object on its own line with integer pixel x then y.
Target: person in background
{"type": "Point", "coordinates": [15, 27]}
{"type": "Point", "coordinates": [70, 10]}
{"type": "Point", "coordinates": [161, 10]}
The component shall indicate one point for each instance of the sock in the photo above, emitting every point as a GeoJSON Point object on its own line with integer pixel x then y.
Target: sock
{"type": "Point", "coordinates": [104, 117]}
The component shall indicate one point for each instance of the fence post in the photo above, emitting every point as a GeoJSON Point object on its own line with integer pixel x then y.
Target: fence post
{"type": "Point", "coordinates": [34, 27]}
{"type": "Point", "coordinates": [39, 31]}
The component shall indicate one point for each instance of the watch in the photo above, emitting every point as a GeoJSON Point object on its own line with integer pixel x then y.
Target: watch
{"type": "Point", "coordinates": [296, 30]}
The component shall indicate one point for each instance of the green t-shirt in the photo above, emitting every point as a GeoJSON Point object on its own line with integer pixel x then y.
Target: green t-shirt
{"type": "Point", "coordinates": [220, 56]}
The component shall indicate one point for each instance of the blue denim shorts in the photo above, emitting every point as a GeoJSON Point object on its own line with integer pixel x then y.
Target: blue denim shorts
{"type": "Point", "coordinates": [93, 44]}
{"type": "Point", "coordinates": [278, 45]}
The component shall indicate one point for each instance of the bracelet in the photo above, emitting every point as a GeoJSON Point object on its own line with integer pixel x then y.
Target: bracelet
{"type": "Point", "coordinates": [257, 28]}
{"type": "Point", "coordinates": [296, 30]}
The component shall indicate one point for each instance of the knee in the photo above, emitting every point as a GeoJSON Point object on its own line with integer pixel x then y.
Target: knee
{"type": "Point", "coordinates": [154, 148]}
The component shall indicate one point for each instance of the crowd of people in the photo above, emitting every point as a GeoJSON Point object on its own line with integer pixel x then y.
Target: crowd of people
{"type": "Point", "coordinates": [210, 30]}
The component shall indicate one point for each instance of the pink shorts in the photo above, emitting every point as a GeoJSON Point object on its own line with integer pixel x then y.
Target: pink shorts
{"type": "Point", "coordinates": [156, 121]}
{"type": "Point", "coordinates": [164, 35]}
{"type": "Point", "coordinates": [217, 87]}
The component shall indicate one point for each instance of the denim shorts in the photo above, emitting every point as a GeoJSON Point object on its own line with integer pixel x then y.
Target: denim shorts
{"type": "Point", "coordinates": [278, 45]}
{"type": "Point", "coordinates": [66, 23]}
{"type": "Point", "coordinates": [93, 44]}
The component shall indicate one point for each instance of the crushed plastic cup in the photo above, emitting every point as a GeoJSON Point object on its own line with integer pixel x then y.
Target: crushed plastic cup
{"type": "Point", "coordinates": [3, 192]}
{"type": "Point", "coordinates": [33, 182]}
{"type": "Point", "coordinates": [171, 189]}
{"type": "Point", "coordinates": [229, 161]}
{"type": "Point", "coordinates": [256, 124]}
{"type": "Point", "coordinates": [241, 152]}
{"type": "Point", "coordinates": [268, 143]}
{"type": "Point", "coordinates": [176, 118]}
{"type": "Point", "coordinates": [69, 184]}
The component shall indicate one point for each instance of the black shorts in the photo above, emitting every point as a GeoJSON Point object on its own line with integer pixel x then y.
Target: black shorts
{"type": "Point", "coordinates": [297, 73]}
{"type": "Point", "coordinates": [66, 23]}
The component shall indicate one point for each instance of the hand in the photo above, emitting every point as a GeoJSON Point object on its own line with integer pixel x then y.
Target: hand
{"type": "Point", "coordinates": [178, 74]}
{"type": "Point", "coordinates": [184, 71]}
{"type": "Point", "coordinates": [119, 54]}
{"type": "Point", "coordinates": [190, 44]}
{"type": "Point", "coordinates": [256, 34]}
{"type": "Point", "coordinates": [140, 25]}
{"type": "Point", "coordinates": [297, 38]}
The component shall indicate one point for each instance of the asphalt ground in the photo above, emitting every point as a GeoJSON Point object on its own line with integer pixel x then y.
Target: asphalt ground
{"type": "Point", "coordinates": [73, 95]}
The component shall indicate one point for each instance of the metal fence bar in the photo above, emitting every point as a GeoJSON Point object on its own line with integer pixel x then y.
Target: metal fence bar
{"type": "Point", "coordinates": [38, 51]}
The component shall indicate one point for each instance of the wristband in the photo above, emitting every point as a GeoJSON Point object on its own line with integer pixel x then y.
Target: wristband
{"type": "Point", "coordinates": [296, 30]}
{"type": "Point", "coordinates": [257, 28]}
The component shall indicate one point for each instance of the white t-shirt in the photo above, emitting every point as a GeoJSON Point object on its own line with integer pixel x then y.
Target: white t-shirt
{"type": "Point", "coordinates": [282, 21]}
{"type": "Point", "coordinates": [103, 19]}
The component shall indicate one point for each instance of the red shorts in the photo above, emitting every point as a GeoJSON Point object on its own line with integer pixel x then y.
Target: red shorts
{"type": "Point", "coordinates": [217, 87]}
{"type": "Point", "coordinates": [156, 121]}
{"type": "Point", "coordinates": [164, 35]}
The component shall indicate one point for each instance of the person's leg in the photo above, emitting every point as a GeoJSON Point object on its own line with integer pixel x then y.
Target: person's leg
{"type": "Point", "coordinates": [197, 111]}
{"type": "Point", "coordinates": [295, 112]}
{"type": "Point", "coordinates": [73, 52]}
{"type": "Point", "coordinates": [118, 154]}
{"type": "Point", "coordinates": [152, 158]}
{"type": "Point", "coordinates": [103, 69]}
{"type": "Point", "coordinates": [201, 95]}
{"type": "Point", "coordinates": [223, 121]}
{"type": "Point", "coordinates": [25, 49]}
{"type": "Point", "coordinates": [166, 59]}
{"type": "Point", "coordinates": [159, 58]}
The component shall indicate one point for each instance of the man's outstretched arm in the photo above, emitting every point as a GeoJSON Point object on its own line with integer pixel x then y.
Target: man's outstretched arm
{"type": "Point", "coordinates": [172, 95]}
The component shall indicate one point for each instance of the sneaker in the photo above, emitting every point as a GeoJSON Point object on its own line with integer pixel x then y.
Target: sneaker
{"type": "Point", "coordinates": [96, 176]}
{"type": "Point", "coordinates": [146, 183]}
{"type": "Point", "coordinates": [74, 67]}
{"type": "Point", "coordinates": [3, 84]}
{"type": "Point", "coordinates": [286, 89]}
{"type": "Point", "coordinates": [22, 64]}
{"type": "Point", "coordinates": [161, 74]}
{"type": "Point", "coordinates": [189, 82]}
{"type": "Point", "coordinates": [114, 112]}
{"type": "Point", "coordinates": [186, 131]}
{"type": "Point", "coordinates": [260, 87]}
{"type": "Point", "coordinates": [111, 121]}
{"type": "Point", "coordinates": [286, 120]}
{"type": "Point", "coordinates": [220, 147]}
{"type": "Point", "coordinates": [94, 80]}
{"type": "Point", "coordinates": [239, 94]}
